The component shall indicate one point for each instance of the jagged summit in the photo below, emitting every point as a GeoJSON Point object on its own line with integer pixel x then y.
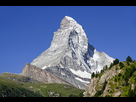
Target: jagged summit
{"type": "Point", "coordinates": [67, 22]}
{"type": "Point", "coordinates": [70, 56]}
{"type": "Point", "coordinates": [70, 18]}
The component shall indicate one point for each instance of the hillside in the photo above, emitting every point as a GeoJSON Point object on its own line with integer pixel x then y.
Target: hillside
{"type": "Point", "coordinates": [10, 88]}
{"type": "Point", "coordinates": [15, 85]}
{"type": "Point", "coordinates": [119, 80]}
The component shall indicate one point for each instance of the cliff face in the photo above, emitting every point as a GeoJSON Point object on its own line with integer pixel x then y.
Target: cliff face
{"type": "Point", "coordinates": [41, 75]}
{"type": "Point", "coordinates": [117, 81]}
{"type": "Point", "coordinates": [97, 83]}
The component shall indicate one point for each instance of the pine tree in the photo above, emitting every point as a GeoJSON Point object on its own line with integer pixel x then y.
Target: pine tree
{"type": "Point", "coordinates": [121, 65]}
{"type": "Point", "coordinates": [110, 66]}
{"type": "Point", "coordinates": [128, 59]}
{"type": "Point", "coordinates": [104, 85]}
{"type": "Point", "coordinates": [101, 71]}
{"type": "Point", "coordinates": [116, 61]}
{"type": "Point", "coordinates": [93, 75]}
{"type": "Point", "coordinates": [97, 73]}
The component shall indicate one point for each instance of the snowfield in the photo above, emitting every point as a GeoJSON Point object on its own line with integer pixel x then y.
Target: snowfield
{"type": "Point", "coordinates": [81, 74]}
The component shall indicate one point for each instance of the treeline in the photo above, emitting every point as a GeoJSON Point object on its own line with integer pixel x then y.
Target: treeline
{"type": "Point", "coordinates": [115, 62]}
{"type": "Point", "coordinates": [97, 72]}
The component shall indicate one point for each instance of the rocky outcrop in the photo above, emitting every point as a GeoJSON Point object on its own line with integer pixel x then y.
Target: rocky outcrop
{"type": "Point", "coordinates": [41, 75]}
{"type": "Point", "coordinates": [68, 76]}
{"type": "Point", "coordinates": [97, 83]}
{"type": "Point", "coordinates": [53, 94]}
{"type": "Point", "coordinates": [90, 88]}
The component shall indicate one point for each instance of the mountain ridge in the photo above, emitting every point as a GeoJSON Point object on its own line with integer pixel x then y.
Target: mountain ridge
{"type": "Point", "coordinates": [41, 75]}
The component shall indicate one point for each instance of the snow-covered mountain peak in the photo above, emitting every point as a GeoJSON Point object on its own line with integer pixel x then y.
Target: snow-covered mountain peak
{"type": "Point", "coordinates": [71, 54]}
{"type": "Point", "coordinates": [70, 19]}
{"type": "Point", "coordinates": [67, 22]}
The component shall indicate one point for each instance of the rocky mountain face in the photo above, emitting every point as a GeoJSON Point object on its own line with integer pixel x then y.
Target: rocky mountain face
{"type": "Point", "coordinates": [96, 83]}
{"type": "Point", "coordinates": [41, 75]}
{"type": "Point", "coordinates": [117, 81]}
{"type": "Point", "coordinates": [70, 56]}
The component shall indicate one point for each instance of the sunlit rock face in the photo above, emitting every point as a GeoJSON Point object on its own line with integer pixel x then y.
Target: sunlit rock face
{"type": "Point", "coordinates": [41, 75]}
{"type": "Point", "coordinates": [70, 56]}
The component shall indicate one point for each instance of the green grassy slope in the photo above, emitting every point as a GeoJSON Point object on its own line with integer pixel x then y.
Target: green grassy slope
{"type": "Point", "coordinates": [13, 85]}
{"type": "Point", "coordinates": [11, 89]}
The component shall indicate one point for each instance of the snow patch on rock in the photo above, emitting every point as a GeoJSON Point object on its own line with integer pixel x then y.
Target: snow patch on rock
{"type": "Point", "coordinates": [86, 82]}
{"type": "Point", "coordinates": [83, 74]}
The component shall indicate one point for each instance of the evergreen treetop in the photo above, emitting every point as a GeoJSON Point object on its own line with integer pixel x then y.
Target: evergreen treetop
{"type": "Point", "coordinates": [128, 59]}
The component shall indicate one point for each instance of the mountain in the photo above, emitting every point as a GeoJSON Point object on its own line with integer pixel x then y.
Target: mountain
{"type": "Point", "coordinates": [118, 80]}
{"type": "Point", "coordinates": [70, 56]}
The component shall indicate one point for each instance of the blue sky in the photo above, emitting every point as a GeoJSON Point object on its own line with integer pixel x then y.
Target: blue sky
{"type": "Point", "coordinates": [27, 31]}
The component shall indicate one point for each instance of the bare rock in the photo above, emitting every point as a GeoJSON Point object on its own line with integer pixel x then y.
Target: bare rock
{"type": "Point", "coordinates": [116, 94]}
{"type": "Point", "coordinates": [90, 89]}
{"type": "Point", "coordinates": [41, 75]}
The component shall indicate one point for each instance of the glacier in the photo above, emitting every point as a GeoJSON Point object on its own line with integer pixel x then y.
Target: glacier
{"type": "Point", "coordinates": [70, 56]}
